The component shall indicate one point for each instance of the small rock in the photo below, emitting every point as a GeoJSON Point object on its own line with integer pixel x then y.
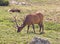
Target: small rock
{"type": "Point", "coordinates": [37, 40]}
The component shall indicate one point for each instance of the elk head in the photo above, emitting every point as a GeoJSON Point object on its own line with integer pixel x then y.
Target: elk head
{"type": "Point", "coordinates": [19, 29]}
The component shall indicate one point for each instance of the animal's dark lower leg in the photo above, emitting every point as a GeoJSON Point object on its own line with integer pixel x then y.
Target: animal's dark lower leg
{"type": "Point", "coordinates": [40, 27]}
{"type": "Point", "coordinates": [28, 28]}
{"type": "Point", "coordinates": [42, 30]}
{"type": "Point", "coordinates": [33, 28]}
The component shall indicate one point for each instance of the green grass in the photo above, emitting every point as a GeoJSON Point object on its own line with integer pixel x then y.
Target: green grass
{"type": "Point", "coordinates": [9, 35]}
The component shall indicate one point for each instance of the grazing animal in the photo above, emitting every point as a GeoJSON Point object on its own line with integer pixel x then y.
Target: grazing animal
{"type": "Point", "coordinates": [31, 19]}
{"type": "Point", "coordinates": [14, 10]}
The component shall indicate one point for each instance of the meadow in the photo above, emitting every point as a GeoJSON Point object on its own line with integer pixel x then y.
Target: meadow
{"type": "Point", "coordinates": [8, 32]}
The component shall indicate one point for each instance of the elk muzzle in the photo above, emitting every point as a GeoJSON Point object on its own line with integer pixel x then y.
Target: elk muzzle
{"type": "Point", "coordinates": [19, 29]}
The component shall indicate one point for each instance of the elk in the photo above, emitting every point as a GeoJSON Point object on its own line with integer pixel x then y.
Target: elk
{"type": "Point", "coordinates": [31, 19]}
{"type": "Point", "coordinates": [14, 10]}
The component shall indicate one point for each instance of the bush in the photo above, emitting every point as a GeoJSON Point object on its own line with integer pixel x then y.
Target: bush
{"type": "Point", "coordinates": [4, 3]}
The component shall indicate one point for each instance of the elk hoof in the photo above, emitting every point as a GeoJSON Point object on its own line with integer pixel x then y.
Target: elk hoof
{"type": "Point", "coordinates": [17, 31]}
{"type": "Point", "coordinates": [34, 32]}
{"type": "Point", "coordinates": [42, 33]}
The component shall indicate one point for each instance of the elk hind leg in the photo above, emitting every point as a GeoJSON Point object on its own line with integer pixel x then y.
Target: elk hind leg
{"type": "Point", "coordinates": [39, 27]}
{"type": "Point", "coordinates": [28, 28]}
{"type": "Point", "coordinates": [33, 28]}
{"type": "Point", "coordinates": [42, 28]}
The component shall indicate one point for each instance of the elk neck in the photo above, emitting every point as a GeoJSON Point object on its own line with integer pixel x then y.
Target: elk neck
{"type": "Point", "coordinates": [23, 25]}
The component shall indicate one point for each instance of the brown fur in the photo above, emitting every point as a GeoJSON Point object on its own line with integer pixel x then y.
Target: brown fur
{"type": "Point", "coordinates": [31, 19]}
